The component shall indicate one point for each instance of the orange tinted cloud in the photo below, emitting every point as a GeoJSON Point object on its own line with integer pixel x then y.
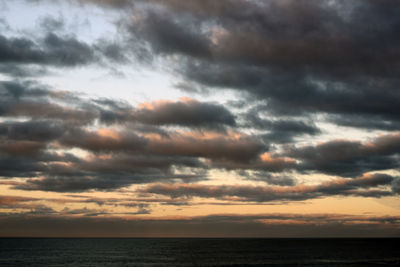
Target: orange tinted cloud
{"type": "Point", "coordinates": [358, 186]}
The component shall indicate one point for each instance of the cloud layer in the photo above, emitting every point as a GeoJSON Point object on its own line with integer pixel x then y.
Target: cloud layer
{"type": "Point", "coordinates": [268, 102]}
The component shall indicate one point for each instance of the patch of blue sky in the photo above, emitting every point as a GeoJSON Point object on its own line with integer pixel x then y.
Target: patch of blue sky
{"type": "Point", "coordinates": [88, 24]}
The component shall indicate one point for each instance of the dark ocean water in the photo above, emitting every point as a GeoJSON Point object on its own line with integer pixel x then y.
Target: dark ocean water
{"type": "Point", "coordinates": [199, 252]}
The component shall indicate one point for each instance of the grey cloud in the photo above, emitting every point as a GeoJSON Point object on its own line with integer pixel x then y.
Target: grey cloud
{"type": "Point", "coordinates": [57, 120]}
{"type": "Point", "coordinates": [52, 24]}
{"type": "Point", "coordinates": [279, 130]}
{"type": "Point", "coordinates": [31, 164]}
{"type": "Point", "coordinates": [74, 183]}
{"type": "Point", "coordinates": [19, 50]}
{"type": "Point", "coordinates": [115, 52]}
{"type": "Point", "coordinates": [53, 50]}
{"type": "Point", "coordinates": [109, 3]}
{"type": "Point", "coordinates": [339, 187]}
{"type": "Point", "coordinates": [110, 180]}
{"type": "Point", "coordinates": [67, 51]}
{"type": "Point", "coordinates": [186, 113]}
{"type": "Point", "coordinates": [234, 150]}
{"type": "Point", "coordinates": [47, 172]}
{"type": "Point", "coordinates": [350, 158]}
{"type": "Point", "coordinates": [282, 179]}
{"type": "Point", "coordinates": [396, 186]}
{"type": "Point", "coordinates": [135, 162]}
{"type": "Point", "coordinates": [15, 70]}
{"type": "Point", "coordinates": [37, 102]}
{"type": "Point", "coordinates": [117, 4]}
{"type": "Point", "coordinates": [166, 35]}
{"type": "Point", "coordinates": [366, 122]}
{"type": "Point", "coordinates": [299, 56]}
{"type": "Point", "coordinates": [31, 130]}
{"type": "Point", "coordinates": [239, 149]}
{"type": "Point", "coordinates": [26, 56]}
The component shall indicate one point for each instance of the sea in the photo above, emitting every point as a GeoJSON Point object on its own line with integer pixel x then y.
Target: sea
{"type": "Point", "coordinates": [199, 252]}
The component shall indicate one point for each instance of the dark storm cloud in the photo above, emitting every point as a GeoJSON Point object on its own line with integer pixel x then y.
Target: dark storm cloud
{"type": "Point", "coordinates": [53, 50]}
{"type": "Point", "coordinates": [32, 130]}
{"type": "Point", "coordinates": [30, 203]}
{"type": "Point", "coordinates": [33, 164]}
{"type": "Point", "coordinates": [282, 180]}
{"type": "Point", "coordinates": [234, 148]}
{"type": "Point", "coordinates": [231, 147]}
{"type": "Point", "coordinates": [296, 57]}
{"type": "Point", "coordinates": [118, 4]}
{"type": "Point", "coordinates": [220, 225]}
{"type": "Point", "coordinates": [366, 122]}
{"type": "Point", "coordinates": [186, 112]}
{"type": "Point", "coordinates": [25, 99]}
{"type": "Point", "coordinates": [67, 173]}
{"type": "Point", "coordinates": [29, 57]}
{"type": "Point", "coordinates": [67, 51]}
{"type": "Point", "coordinates": [106, 181]}
{"type": "Point", "coordinates": [126, 158]}
{"type": "Point", "coordinates": [113, 51]}
{"type": "Point", "coordinates": [396, 186]}
{"type": "Point", "coordinates": [340, 187]}
{"type": "Point", "coordinates": [296, 33]}
{"type": "Point", "coordinates": [350, 158]}
{"type": "Point", "coordinates": [135, 162]}
{"type": "Point", "coordinates": [299, 56]}
{"type": "Point", "coordinates": [298, 93]}
{"type": "Point", "coordinates": [16, 70]}
{"type": "Point", "coordinates": [279, 130]}
{"type": "Point", "coordinates": [75, 183]}
{"type": "Point", "coordinates": [169, 36]}
{"type": "Point", "coordinates": [23, 147]}
{"type": "Point", "coordinates": [130, 154]}
{"type": "Point", "coordinates": [109, 3]}
{"type": "Point", "coordinates": [37, 120]}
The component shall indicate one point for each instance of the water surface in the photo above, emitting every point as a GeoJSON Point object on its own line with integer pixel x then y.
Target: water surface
{"type": "Point", "coordinates": [198, 252]}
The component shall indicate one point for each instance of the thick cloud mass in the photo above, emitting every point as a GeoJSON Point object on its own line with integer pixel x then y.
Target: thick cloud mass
{"type": "Point", "coordinates": [134, 145]}
{"type": "Point", "coordinates": [38, 123]}
{"type": "Point", "coordinates": [350, 158]}
{"type": "Point", "coordinates": [299, 56]}
{"type": "Point", "coordinates": [264, 103]}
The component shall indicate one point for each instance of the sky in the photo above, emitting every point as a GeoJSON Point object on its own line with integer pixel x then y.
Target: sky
{"type": "Point", "coordinates": [229, 118]}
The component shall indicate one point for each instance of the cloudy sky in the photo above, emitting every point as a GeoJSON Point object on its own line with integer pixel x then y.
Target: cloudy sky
{"type": "Point", "coordinates": [257, 118]}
